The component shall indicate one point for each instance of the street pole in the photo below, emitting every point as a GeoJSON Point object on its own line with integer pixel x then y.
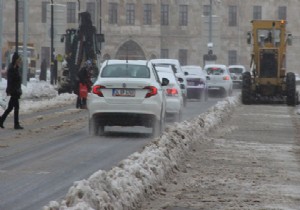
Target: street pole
{"type": "Point", "coordinates": [52, 48]}
{"type": "Point", "coordinates": [100, 24]}
{"type": "Point", "coordinates": [210, 22]}
{"type": "Point", "coordinates": [1, 26]}
{"type": "Point", "coordinates": [25, 37]}
{"type": "Point", "coordinates": [17, 26]}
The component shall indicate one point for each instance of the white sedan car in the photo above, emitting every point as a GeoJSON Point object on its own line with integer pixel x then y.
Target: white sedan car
{"type": "Point", "coordinates": [127, 93]}
{"type": "Point", "coordinates": [173, 95]}
{"type": "Point", "coordinates": [218, 79]}
{"type": "Point", "coordinates": [176, 67]}
{"type": "Point", "coordinates": [196, 82]}
{"type": "Point", "coordinates": [236, 73]}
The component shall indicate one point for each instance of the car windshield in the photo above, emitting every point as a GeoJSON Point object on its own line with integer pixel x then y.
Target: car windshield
{"type": "Point", "coordinates": [214, 71]}
{"type": "Point", "coordinates": [125, 71]}
{"type": "Point", "coordinates": [236, 70]}
{"type": "Point", "coordinates": [268, 35]}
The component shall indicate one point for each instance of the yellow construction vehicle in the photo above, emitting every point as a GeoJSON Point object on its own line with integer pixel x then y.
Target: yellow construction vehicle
{"type": "Point", "coordinates": [268, 81]}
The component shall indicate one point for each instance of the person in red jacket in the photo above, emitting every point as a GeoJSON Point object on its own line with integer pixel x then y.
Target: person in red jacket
{"type": "Point", "coordinates": [84, 84]}
{"type": "Point", "coordinates": [13, 90]}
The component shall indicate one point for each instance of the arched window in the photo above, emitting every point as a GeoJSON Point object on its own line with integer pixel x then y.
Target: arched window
{"type": "Point", "coordinates": [130, 50]}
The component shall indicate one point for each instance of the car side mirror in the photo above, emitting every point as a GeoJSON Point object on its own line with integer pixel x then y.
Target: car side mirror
{"type": "Point", "coordinates": [164, 82]}
{"type": "Point", "coordinates": [186, 73]}
{"type": "Point", "coordinates": [182, 86]}
{"type": "Point", "coordinates": [180, 80]}
{"type": "Point", "coordinates": [207, 77]}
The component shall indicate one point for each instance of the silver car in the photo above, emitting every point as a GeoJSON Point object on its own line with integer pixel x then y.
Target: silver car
{"type": "Point", "coordinates": [196, 82]}
{"type": "Point", "coordinates": [236, 73]}
{"type": "Point", "coordinates": [218, 79]}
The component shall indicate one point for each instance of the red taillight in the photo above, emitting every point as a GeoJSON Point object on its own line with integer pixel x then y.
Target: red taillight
{"type": "Point", "coordinates": [151, 91]}
{"type": "Point", "coordinates": [97, 90]}
{"type": "Point", "coordinates": [172, 92]}
{"type": "Point", "coordinates": [226, 77]}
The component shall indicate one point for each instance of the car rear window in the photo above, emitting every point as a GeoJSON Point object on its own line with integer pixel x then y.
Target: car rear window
{"type": "Point", "coordinates": [174, 69]}
{"type": "Point", "coordinates": [236, 70]}
{"type": "Point", "coordinates": [126, 71]}
{"type": "Point", "coordinates": [214, 71]}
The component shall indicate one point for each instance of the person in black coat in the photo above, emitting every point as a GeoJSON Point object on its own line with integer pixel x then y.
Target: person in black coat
{"type": "Point", "coordinates": [83, 77]}
{"type": "Point", "coordinates": [13, 90]}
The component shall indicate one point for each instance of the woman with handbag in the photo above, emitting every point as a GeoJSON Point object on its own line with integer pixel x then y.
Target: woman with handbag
{"type": "Point", "coordinates": [13, 90]}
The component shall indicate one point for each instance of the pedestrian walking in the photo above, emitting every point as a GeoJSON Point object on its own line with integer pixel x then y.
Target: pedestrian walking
{"type": "Point", "coordinates": [84, 84]}
{"type": "Point", "coordinates": [13, 90]}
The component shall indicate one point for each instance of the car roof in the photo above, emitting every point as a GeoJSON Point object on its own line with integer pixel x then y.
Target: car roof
{"type": "Point", "coordinates": [165, 60]}
{"type": "Point", "coordinates": [191, 67]}
{"type": "Point", "coordinates": [135, 62]}
{"type": "Point", "coordinates": [236, 66]}
{"type": "Point", "coordinates": [164, 68]}
{"type": "Point", "coordinates": [215, 65]}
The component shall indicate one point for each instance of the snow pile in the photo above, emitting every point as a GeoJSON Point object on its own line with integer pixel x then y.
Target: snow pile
{"type": "Point", "coordinates": [34, 89]}
{"type": "Point", "coordinates": [27, 106]}
{"type": "Point", "coordinates": [124, 186]}
{"type": "Point", "coordinates": [36, 95]}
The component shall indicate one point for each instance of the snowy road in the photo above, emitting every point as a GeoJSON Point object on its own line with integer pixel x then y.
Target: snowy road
{"type": "Point", "coordinates": [40, 163]}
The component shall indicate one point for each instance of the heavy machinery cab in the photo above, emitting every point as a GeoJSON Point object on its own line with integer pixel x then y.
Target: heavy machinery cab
{"type": "Point", "coordinates": [269, 49]}
{"type": "Point", "coordinates": [268, 78]}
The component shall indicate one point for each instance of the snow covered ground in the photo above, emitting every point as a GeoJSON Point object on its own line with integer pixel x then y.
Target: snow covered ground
{"type": "Point", "coordinates": [36, 95]}
{"type": "Point", "coordinates": [136, 177]}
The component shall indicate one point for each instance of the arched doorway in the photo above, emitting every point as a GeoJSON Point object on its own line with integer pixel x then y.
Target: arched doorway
{"type": "Point", "coordinates": [130, 50]}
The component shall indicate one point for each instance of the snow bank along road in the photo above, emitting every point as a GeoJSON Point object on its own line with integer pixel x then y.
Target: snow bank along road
{"type": "Point", "coordinates": [138, 176]}
{"type": "Point", "coordinates": [231, 157]}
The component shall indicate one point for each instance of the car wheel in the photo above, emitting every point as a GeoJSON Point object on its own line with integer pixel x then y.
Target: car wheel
{"type": "Point", "coordinates": [184, 101]}
{"type": "Point", "coordinates": [206, 95]}
{"type": "Point", "coordinates": [178, 117]}
{"type": "Point", "coordinates": [101, 130]}
{"type": "Point", "coordinates": [93, 127]}
{"type": "Point", "coordinates": [156, 128]}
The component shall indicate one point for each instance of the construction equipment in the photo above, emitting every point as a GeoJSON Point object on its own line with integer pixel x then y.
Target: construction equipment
{"type": "Point", "coordinates": [81, 44]}
{"type": "Point", "coordinates": [267, 80]}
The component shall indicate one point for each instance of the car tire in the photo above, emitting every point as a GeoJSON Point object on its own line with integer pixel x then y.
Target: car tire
{"type": "Point", "coordinates": [156, 128]}
{"type": "Point", "coordinates": [206, 95]}
{"type": "Point", "coordinates": [93, 127]}
{"type": "Point", "coordinates": [178, 117]}
{"type": "Point", "coordinates": [101, 130]}
{"type": "Point", "coordinates": [184, 100]}
{"type": "Point", "coordinates": [291, 89]}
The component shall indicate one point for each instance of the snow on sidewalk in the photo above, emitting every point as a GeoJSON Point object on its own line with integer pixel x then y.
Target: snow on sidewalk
{"type": "Point", "coordinates": [125, 185]}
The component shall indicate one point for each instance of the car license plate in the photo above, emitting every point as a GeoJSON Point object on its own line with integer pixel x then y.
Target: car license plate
{"type": "Point", "coordinates": [213, 88]}
{"type": "Point", "coordinates": [123, 92]}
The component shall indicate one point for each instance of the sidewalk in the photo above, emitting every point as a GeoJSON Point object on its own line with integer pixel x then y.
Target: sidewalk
{"type": "Point", "coordinates": [250, 162]}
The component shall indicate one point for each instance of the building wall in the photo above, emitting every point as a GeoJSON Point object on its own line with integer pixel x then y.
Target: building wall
{"type": "Point", "coordinates": [151, 39]}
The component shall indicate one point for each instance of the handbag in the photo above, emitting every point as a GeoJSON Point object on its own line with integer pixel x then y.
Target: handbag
{"type": "Point", "coordinates": [83, 90]}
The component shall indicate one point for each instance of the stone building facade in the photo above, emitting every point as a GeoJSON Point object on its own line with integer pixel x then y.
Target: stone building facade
{"type": "Point", "coordinates": [145, 29]}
